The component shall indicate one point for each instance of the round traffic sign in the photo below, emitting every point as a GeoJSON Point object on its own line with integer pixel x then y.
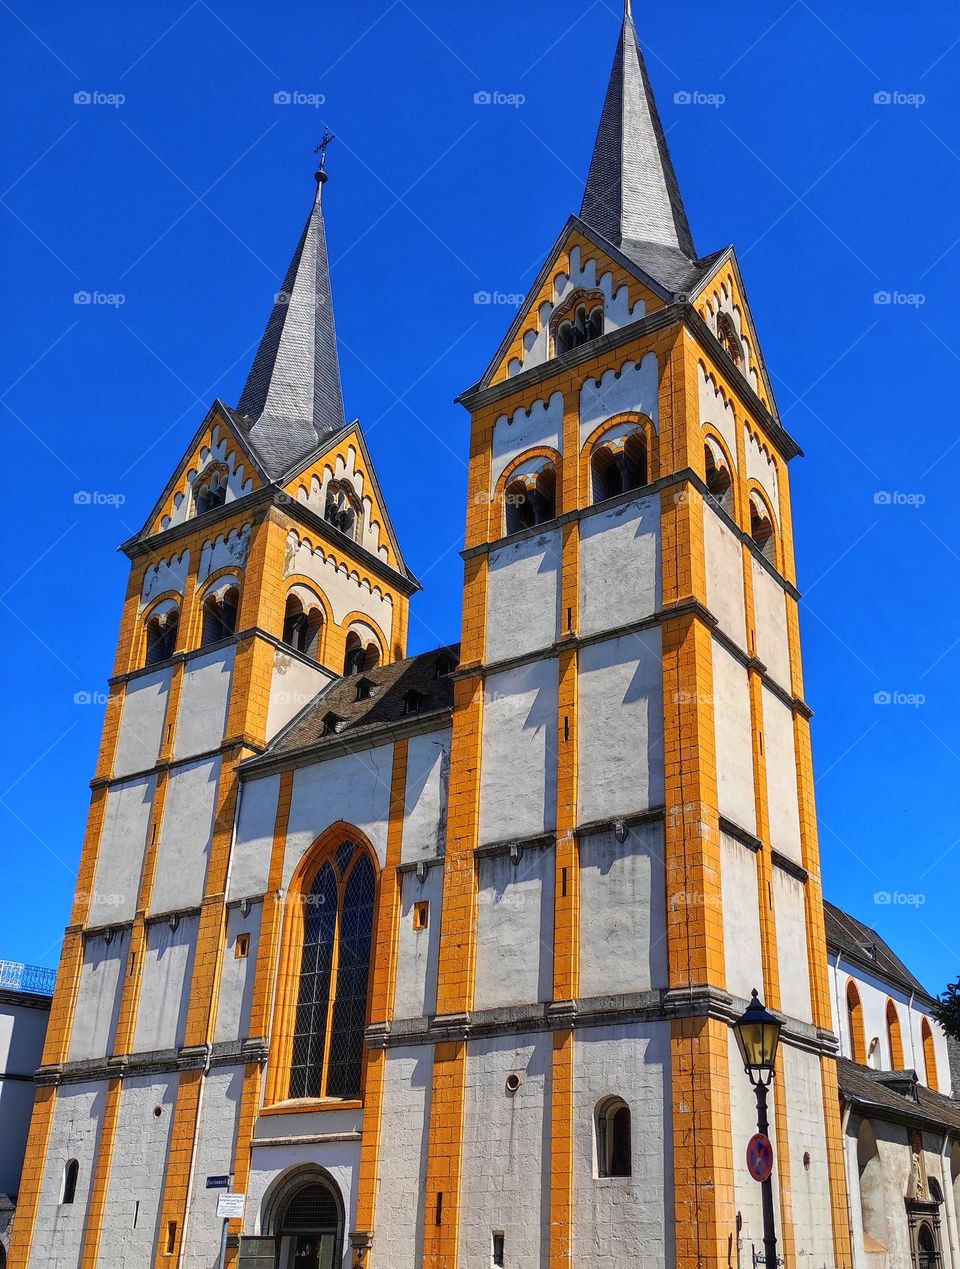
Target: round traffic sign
{"type": "Point", "coordinates": [759, 1157]}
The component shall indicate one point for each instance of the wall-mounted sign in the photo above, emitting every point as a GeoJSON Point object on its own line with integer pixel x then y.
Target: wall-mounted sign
{"type": "Point", "coordinates": [218, 1182]}
{"type": "Point", "coordinates": [230, 1206]}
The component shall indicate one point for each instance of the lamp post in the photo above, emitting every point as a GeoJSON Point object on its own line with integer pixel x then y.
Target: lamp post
{"type": "Point", "coordinates": [758, 1035]}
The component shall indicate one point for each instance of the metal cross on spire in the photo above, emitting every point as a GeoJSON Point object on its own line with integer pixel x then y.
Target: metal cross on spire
{"type": "Point", "coordinates": [321, 149]}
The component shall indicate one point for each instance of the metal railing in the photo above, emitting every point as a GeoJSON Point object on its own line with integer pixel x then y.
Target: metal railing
{"type": "Point", "coordinates": [34, 979]}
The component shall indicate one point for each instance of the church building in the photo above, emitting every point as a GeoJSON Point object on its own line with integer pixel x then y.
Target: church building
{"type": "Point", "coordinates": [432, 961]}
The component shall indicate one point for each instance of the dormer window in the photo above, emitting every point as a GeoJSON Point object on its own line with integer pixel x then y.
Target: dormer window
{"type": "Point", "coordinates": [332, 724]}
{"type": "Point", "coordinates": [578, 321]}
{"type": "Point", "coordinates": [365, 688]}
{"type": "Point", "coordinates": [413, 702]}
{"type": "Point", "coordinates": [210, 490]}
{"type": "Point", "coordinates": [343, 509]}
{"type": "Point", "coordinates": [445, 666]}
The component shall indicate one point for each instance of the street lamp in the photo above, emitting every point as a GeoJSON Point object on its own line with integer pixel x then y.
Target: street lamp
{"type": "Point", "coordinates": [758, 1035]}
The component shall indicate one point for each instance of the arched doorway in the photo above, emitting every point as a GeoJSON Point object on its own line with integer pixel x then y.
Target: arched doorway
{"type": "Point", "coordinates": [928, 1257]}
{"type": "Point", "coordinates": [304, 1213]}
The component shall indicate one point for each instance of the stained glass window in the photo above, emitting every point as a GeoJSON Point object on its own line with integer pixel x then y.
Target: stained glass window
{"type": "Point", "coordinates": [334, 977]}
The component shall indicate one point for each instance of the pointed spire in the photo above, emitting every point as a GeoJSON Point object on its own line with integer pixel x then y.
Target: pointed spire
{"type": "Point", "coordinates": [632, 193]}
{"type": "Point", "coordinates": [293, 398]}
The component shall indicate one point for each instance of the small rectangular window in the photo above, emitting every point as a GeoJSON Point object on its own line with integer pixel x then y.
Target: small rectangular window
{"type": "Point", "coordinates": [171, 1241]}
{"type": "Point", "coordinates": [241, 948]}
{"type": "Point", "coordinates": [498, 1250]}
{"type": "Point", "coordinates": [421, 915]}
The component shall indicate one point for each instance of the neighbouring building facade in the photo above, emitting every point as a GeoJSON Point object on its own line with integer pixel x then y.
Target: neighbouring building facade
{"type": "Point", "coordinates": [25, 995]}
{"type": "Point", "coordinates": [434, 959]}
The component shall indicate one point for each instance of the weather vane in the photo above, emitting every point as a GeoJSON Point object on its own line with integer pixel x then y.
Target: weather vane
{"type": "Point", "coordinates": [321, 149]}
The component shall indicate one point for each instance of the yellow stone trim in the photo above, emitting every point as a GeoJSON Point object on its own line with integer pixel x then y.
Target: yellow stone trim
{"type": "Point", "coordinates": [839, 1198]}
{"type": "Point", "coordinates": [441, 1225]}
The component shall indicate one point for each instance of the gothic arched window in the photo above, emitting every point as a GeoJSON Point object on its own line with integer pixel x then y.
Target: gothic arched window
{"type": "Point", "coordinates": [162, 636]}
{"type": "Point", "coordinates": [929, 1056]}
{"type": "Point", "coordinates": [614, 1156]}
{"type": "Point", "coordinates": [327, 1055]}
{"type": "Point", "coordinates": [894, 1039]}
{"type": "Point", "coordinates": [220, 616]}
{"type": "Point", "coordinates": [858, 1043]}
{"type": "Point", "coordinates": [71, 1171]}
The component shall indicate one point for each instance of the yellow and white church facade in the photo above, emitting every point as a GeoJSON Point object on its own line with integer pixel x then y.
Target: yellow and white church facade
{"type": "Point", "coordinates": [434, 959]}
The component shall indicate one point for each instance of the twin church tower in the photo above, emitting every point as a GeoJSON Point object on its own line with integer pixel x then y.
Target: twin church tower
{"type": "Point", "coordinates": [433, 960]}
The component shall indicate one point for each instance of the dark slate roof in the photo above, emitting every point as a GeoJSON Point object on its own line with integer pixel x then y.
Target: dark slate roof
{"type": "Point", "coordinates": [293, 398]}
{"type": "Point", "coordinates": [362, 720]}
{"type": "Point", "coordinates": [867, 1088]}
{"type": "Point", "coordinates": [672, 269]}
{"type": "Point", "coordinates": [860, 943]}
{"type": "Point", "coordinates": [632, 193]}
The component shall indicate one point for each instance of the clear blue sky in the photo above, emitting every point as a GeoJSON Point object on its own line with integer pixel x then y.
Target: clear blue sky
{"type": "Point", "coordinates": [187, 197]}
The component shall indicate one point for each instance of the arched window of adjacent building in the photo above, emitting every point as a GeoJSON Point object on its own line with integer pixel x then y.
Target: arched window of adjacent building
{"type": "Point", "coordinates": [162, 635]}
{"type": "Point", "coordinates": [578, 321]}
{"type": "Point", "coordinates": [302, 627]}
{"type": "Point", "coordinates": [531, 498]}
{"type": "Point", "coordinates": [327, 1055]}
{"type": "Point", "coordinates": [614, 1154]}
{"type": "Point", "coordinates": [858, 1043]}
{"type": "Point", "coordinates": [71, 1171]}
{"type": "Point", "coordinates": [761, 528]}
{"type": "Point", "coordinates": [719, 480]}
{"type": "Point", "coordinates": [872, 1198]}
{"type": "Point", "coordinates": [928, 1256]}
{"type": "Point", "coordinates": [220, 615]}
{"type": "Point", "coordinates": [929, 1056]}
{"type": "Point", "coordinates": [210, 490]}
{"type": "Point", "coordinates": [618, 464]}
{"type": "Point", "coordinates": [343, 508]}
{"type": "Point", "coordinates": [894, 1037]}
{"type": "Point", "coordinates": [727, 334]}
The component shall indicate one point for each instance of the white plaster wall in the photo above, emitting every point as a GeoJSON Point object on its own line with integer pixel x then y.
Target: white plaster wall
{"type": "Point", "coordinates": [418, 951]}
{"type": "Point", "coordinates": [518, 783]}
{"type": "Point", "coordinates": [165, 575]}
{"type": "Point", "coordinates": [425, 796]}
{"type": "Point", "coordinates": [402, 1179]}
{"type": "Point", "coordinates": [98, 999]}
{"type": "Point", "coordinates": [229, 550]}
{"type": "Point", "coordinates": [514, 953]}
{"type": "Point", "coordinates": [781, 762]}
{"type": "Point", "coordinates": [741, 918]}
{"type": "Point", "coordinates": [724, 566]}
{"type": "Point", "coordinates": [22, 1032]}
{"type": "Point", "coordinates": [620, 580]}
{"type": "Point", "coordinates": [623, 934]}
{"type": "Point", "coordinates": [791, 918]}
{"type": "Point", "coordinates": [293, 686]}
{"type": "Point", "coordinates": [762, 468]}
{"type": "Point", "coordinates": [123, 841]}
{"type": "Point", "coordinates": [770, 611]}
{"type": "Point", "coordinates": [202, 716]}
{"type": "Point", "coordinates": [16, 1110]}
{"type": "Point", "coordinates": [343, 588]}
{"type": "Point", "coordinates": [250, 858]}
{"type": "Point", "coordinates": [620, 733]}
{"type": "Point", "coordinates": [165, 990]}
{"type": "Point", "coordinates": [354, 788]}
{"type": "Point", "coordinates": [506, 1153]}
{"type": "Point", "coordinates": [523, 596]}
{"type": "Point", "coordinates": [141, 722]}
{"type": "Point", "coordinates": [718, 411]}
{"type": "Point", "coordinates": [185, 836]}
{"type": "Point", "coordinates": [135, 1190]}
{"type": "Point", "coordinates": [731, 712]}
{"type": "Point", "coordinates": [621, 1221]}
{"type": "Point", "coordinates": [219, 1112]}
{"type": "Point", "coordinates": [632, 389]}
{"type": "Point", "coordinates": [58, 1236]}
{"type": "Point", "coordinates": [237, 975]}
{"type": "Point", "coordinates": [809, 1186]}
{"type": "Point", "coordinates": [541, 425]}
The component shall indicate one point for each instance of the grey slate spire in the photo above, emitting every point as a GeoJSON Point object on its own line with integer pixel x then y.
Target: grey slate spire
{"type": "Point", "coordinates": [293, 398]}
{"type": "Point", "coordinates": [632, 195]}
